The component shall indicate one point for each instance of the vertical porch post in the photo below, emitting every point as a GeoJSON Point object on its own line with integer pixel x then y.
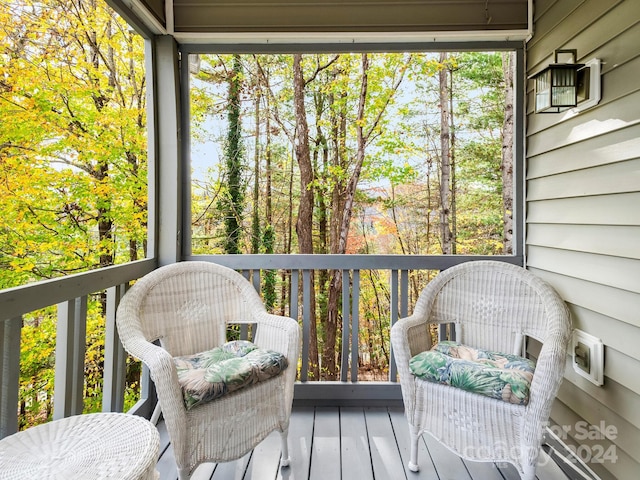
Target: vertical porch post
{"type": "Point", "coordinates": [169, 161]}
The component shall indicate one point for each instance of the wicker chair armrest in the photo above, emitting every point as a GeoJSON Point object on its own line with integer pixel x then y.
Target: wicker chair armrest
{"type": "Point", "coordinates": [160, 363]}
{"type": "Point", "coordinates": [549, 372]}
{"type": "Point", "coordinates": [410, 336]}
{"type": "Point", "coordinates": [547, 378]}
{"type": "Point", "coordinates": [163, 372]}
{"type": "Point", "coordinates": [278, 333]}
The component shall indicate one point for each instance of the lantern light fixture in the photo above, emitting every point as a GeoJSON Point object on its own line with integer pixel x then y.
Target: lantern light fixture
{"type": "Point", "coordinates": [556, 87]}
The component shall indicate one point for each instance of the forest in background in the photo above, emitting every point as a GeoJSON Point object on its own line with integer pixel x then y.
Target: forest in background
{"type": "Point", "coordinates": [73, 171]}
{"type": "Point", "coordinates": [401, 153]}
{"type": "Point", "coordinates": [371, 153]}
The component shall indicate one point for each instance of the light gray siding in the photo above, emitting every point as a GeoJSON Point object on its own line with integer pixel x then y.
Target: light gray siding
{"type": "Point", "coordinates": [583, 218]}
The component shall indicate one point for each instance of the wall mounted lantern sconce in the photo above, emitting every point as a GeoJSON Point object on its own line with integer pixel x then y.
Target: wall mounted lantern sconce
{"type": "Point", "coordinates": [566, 85]}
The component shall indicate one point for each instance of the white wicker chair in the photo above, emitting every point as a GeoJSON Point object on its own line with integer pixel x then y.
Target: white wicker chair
{"type": "Point", "coordinates": [493, 306]}
{"type": "Point", "coordinates": [187, 306]}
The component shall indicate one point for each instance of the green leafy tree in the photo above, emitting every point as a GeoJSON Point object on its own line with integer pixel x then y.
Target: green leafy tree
{"type": "Point", "coordinates": [269, 283]}
{"type": "Point", "coordinates": [232, 202]}
{"type": "Point", "coordinates": [72, 140]}
{"type": "Point", "coordinates": [351, 144]}
{"type": "Point", "coordinates": [73, 169]}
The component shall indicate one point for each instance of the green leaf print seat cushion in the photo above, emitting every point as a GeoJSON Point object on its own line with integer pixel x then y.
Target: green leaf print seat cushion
{"type": "Point", "coordinates": [208, 375]}
{"type": "Point", "coordinates": [494, 374]}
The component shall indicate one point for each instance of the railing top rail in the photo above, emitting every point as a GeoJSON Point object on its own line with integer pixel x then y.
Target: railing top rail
{"type": "Point", "coordinates": [17, 301]}
{"type": "Point", "coordinates": [347, 262]}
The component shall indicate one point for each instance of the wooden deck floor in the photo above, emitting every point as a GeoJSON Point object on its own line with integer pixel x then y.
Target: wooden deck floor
{"type": "Point", "coordinates": [331, 443]}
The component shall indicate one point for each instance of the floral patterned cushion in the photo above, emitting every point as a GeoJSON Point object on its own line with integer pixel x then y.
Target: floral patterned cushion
{"type": "Point", "coordinates": [209, 375]}
{"type": "Point", "coordinates": [494, 374]}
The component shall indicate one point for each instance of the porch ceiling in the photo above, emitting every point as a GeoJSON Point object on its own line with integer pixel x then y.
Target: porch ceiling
{"type": "Point", "coordinates": [332, 21]}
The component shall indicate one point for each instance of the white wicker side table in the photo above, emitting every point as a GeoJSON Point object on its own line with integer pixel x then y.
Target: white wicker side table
{"type": "Point", "coordinates": [92, 446]}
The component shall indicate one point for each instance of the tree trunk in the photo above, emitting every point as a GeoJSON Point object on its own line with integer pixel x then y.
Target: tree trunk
{"type": "Point", "coordinates": [445, 159]}
{"type": "Point", "coordinates": [338, 160]}
{"type": "Point", "coordinates": [233, 204]}
{"type": "Point", "coordinates": [267, 159]}
{"type": "Point", "coordinates": [344, 221]}
{"type": "Point", "coordinates": [360, 151]}
{"type": "Point", "coordinates": [286, 280]}
{"type": "Point", "coordinates": [303, 156]}
{"type": "Point", "coordinates": [452, 166]}
{"type": "Point", "coordinates": [508, 61]}
{"type": "Point", "coordinates": [255, 217]}
{"type": "Point", "coordinates": [304, 223]}
{"type": "Point", "coordinates": [343, 207]}
{"type": "Point", "coordinates": [321, 167]}
{"type": "Point", "coordinates": [269, 234]}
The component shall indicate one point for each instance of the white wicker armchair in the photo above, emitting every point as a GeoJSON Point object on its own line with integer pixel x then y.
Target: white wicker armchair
{"type": "Point", "coordinates": [186, 307]}
{"type": "Point", "coordinates": [493, 306]}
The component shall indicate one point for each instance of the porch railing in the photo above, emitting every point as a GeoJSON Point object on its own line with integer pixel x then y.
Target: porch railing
{"type": "Point", "coordinates": [349, 390]}
{"type": "Point", "coordinates": [70, 295]}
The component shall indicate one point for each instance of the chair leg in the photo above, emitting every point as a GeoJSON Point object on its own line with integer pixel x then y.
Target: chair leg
{"type": "Point", "coordinates": [529, 472]}
{"type": "Point", "coordinates": [155, 416]}
{"type": "Point", "coordinates": [183, 474]}
{"type": "Point", "coordinates": [286, 460]}
{"type": "Point", "coordinates": [529, 462]}
{"type": "Point", "coordinates": [413, 459]}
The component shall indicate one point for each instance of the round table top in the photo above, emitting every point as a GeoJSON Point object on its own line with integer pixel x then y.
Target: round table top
{"type": "Point", "coordinates": [91, 446]}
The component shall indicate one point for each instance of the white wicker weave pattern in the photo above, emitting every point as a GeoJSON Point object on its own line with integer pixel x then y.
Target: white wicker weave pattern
{"type": "Point", "coordinates": [83, 447]}
{"type": "Point", "coordinates": [493, 304]}
{"type": "Point", "coordinates": [187, 306]}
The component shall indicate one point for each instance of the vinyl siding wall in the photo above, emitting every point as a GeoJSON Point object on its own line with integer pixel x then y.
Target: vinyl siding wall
{"type": "Point", "coordinates": [583, 218]}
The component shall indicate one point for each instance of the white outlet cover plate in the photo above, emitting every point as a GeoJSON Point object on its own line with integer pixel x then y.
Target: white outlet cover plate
{"type": "Point", "coordinates": [596, 354]}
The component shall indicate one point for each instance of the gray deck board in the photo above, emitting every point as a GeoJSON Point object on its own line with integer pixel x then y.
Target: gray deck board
{"type": "Point", "coordinates": [230, 470]}
{"type": "Point", "coordinates": [401, 430]}
{"type": "Point", "coordinates": [300, 441]}
{"type": "Point", "coordinates": [354, 442]}
{"type": "Point", "coordinates": [385, 456]}
{"type": "Point", "coordinates": [448, 465]}
{"type": "Point", "coordinates": [548, 469]}
{"type": "Point", "coordinates": [265, 461]}
{"type": "Point", "coordinates": [360, 443]}
{"type": "Point", "coordinates": [484, 470]}
{"type": "Point", "coordinates": [325, 453]}
{"type": "Point", "coordinates": [204, 472]}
